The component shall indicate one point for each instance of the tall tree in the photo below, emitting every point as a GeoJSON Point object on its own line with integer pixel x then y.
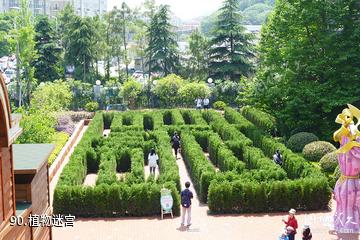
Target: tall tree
{"type": "Point", "coordinates": [22, 42]}
{"type": "Point", "coordinates": [162, 53]}
{"type": "Point", "coordinates": [6, 24]}
{"type": "Point", "coordinates": [65, 19]}
{"type": "Point", "coordinates": [81, 39]}
{"type": "Point", "coordinates": [114, 40]}
{"type": "Point", "coordinates": [125, 20]}
{"type": "Point", "coordinates": [309, 64]}
{"type": "Point", "coordinates": [232, 49]}
{"type": "Point", "coordinates": [199, 56]}
{"type": "Point", "coordinates": [48, 64]}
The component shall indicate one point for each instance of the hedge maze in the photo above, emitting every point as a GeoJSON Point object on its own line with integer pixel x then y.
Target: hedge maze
{"type": "Point", "coordinates": [229, 159]}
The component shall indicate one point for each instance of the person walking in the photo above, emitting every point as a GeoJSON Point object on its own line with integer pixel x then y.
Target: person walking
{"type": "Point", "coordinates": [198, 103]}
{"type": "Point", "coordinates": [206, 102]}
{"type": "Point", "coordinates": [186, 196]}
{"type": "Point", "coordinates": [175, 140]}
{"type": "Point", "coordinates": [291, 222]}
{"type": "Point", "coordinates": [153, 161]}
{"type": "Point", "coordinates": [277, 157]}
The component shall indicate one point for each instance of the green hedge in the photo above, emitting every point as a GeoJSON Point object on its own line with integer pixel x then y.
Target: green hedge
{"type": "Point", "coordinates": [75, 171]}
{"type": "Point", "coordinates": [193, 117]}
{"type": "Point", "coordinates": [127, 121]}
{"type": "Point", "coordinates": [298, 141]}
{"type": "Point", "coordinates": [201, 170]}
{"type": "Point", "coordinates": [261, 119]}
{"type": "Point", "coordinates": [242, 197]}
{"type": "Point", "coordinates": [112, 200]}
{"type": "Point", "coordinates": [295, 165]}
{"type": "Point", "coordinates": [169, 171]}
{"type": "Point", "coordinates": [316, 150]}
{"type": "Point", "coordinates": [329, 162]}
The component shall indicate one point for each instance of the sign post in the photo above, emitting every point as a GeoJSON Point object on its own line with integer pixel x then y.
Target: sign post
{"type": "Point", "coordinates": [166, 202]}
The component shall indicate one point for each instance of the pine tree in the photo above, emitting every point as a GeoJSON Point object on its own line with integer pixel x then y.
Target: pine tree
{"type": "Point", "coordinates": [231, 48]}
{"type": "Point", "coordinates": [162, 54]}
{"type": "Point", "coordinates": [47, 65]}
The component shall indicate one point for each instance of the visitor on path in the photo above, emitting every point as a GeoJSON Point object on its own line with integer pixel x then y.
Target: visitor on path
{"type": "Point", "coordinates": [307, 233]}
{"type": "Point", "coordinates": [175, 140]}
{"type": "Point", "coordinates": [153, 161]}
{"type": "Point", "coordinates": [198, 103]}
{"type": "Point", "coordinates": [291, 222]}
{"type": "Point", "coordinates": [186, 196]}
{"type": "Point", "coordinates": [278, 157]}
{"type": "Point", "coordinates": [206, 102]}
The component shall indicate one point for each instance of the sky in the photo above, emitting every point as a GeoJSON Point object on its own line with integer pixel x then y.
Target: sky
{"type": "Point", "coordinates": [184, 9]}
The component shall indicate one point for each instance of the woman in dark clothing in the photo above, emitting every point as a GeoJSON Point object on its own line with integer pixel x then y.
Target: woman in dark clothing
{"type": "Point", "coordinates": [175, 140]}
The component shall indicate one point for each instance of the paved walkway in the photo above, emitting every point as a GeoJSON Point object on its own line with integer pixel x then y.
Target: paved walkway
{"type": "Point", "coordinates": [90, 180]}
{"type": "Point", "coordinates": [207, 227]}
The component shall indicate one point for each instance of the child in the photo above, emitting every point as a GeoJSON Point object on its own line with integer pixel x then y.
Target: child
{"type": "Point", "coordinates": [307, 233]}
{"type": "Point", "coordinates": [153, 161]}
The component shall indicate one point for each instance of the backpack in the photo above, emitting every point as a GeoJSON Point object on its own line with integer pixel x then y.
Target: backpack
{"type": "Point", "coordinates": [185, 198]}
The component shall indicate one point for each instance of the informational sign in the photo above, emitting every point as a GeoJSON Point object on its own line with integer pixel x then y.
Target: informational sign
{"type": "Point", "coordinates": [166, 200]}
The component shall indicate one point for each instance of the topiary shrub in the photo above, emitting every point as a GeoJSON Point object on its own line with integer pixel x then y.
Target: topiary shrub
{"type": "Point", "coordinates": [329, 162]}
{"type": "Point", "coordinates": [91, 106]}
{"type": "Point", "coordinates": [219, 105]}
{"type": "Point", "coordinates": [298, 141]}
{"type": "Point", "coordinates": [316, 150]}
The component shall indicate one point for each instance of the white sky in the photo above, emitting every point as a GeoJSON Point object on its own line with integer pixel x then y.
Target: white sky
{"type": "Point", "coordinates": [185, 9]}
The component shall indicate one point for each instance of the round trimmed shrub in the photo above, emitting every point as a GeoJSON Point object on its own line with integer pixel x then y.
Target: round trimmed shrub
{"type": "Point", "coordinates": [316, 150]}
{"type": "Point", "coordinates": [329, 162]}
{"type": "Point", "coordinates": [298, 141]}
{"type": "Point", "coordinates": [219, 105]}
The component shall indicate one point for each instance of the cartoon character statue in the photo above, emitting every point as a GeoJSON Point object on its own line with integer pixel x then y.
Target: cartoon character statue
{"type": "Point", "coordinates": [347, 188]}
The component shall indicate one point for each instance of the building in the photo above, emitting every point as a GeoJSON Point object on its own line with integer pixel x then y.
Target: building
{"type": "Point", "coordinates": [81, 7]}
{"type": "Point", "coordinates": [52, 7]}
{"type": "Point", "coordinates": [24, 180]}
{"type": "Point", "coordinates": [36, 6]}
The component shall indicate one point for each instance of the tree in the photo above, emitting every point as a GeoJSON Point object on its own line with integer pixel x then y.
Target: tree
{"type": "Point", "coordinates": [114, 40]}
{"type": "Point", "coordinates": [65, 19]}
{"type": "Point", "coordinates": [6, 24]}
{"type": "Point", "coordinates": [309, 63]}
{"type": "Point", "coordinates": [100, 47]}
{"type": "Point", "coordinates": [167, 89]}
{"type": "Point", "coordinates": [48, 64]}
{"type": "Point", "coordinates": [81, 40]}
{"type": "Point", "coordinates": [131, 91]}
{"type": "Point", "coordinates": [51, 96]}
{"type": "Point", "coordinates": [231, 48]}
{"type": "Point", "coordinates": [125, 19]}
{"type": "Point", "coordinates": [22, 42]}
{"type": "Point", "coordinates": [162, 51]}
{"type": "Point", "coordinates": [191, 91]}
{"type": "Point", "coordinates": [199, 56]}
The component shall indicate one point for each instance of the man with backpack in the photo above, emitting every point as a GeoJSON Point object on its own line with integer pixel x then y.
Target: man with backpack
{"type": "Point", "coordinates": [175, 140]}
{"type": "Point", "coordinates": [186, 196]}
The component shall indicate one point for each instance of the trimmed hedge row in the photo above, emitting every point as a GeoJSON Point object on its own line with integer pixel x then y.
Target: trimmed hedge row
{"type": "Point", "coordinates": [75, 171]}
{"type": "Point", "coordinates": [295, 165]}
{"type": "Point", "coordinates": [173, 117]}
{"type": "Point", "coordinates": [220, 155]}
{"type": "Point", "coordinates": [169, 171]}
{"type": "Point", "coordinates": [132, 197]}
{"type": "Point", "coordinates": [113, 200]}
{"type": "Point", "coordinates": [201, 170]}
{"type": "Point", "coordinates": [127, 121]}
{"type": "Point", "coordinates": [241, 197]}
{"type": "Point", "coordinates": [241, 146]}
{"type": "Point", "coordinates": [193, 117]}
{"type": "Point", "coordinates": [261, 119]}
